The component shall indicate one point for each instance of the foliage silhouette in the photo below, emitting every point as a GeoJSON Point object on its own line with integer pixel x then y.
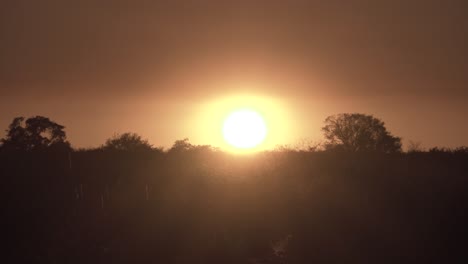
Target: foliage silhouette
{"type": "Point", "coordinates": [181, 145]}
{"type": "Point", "coordinates": [127, 142]}
{"type": "Point", "coordinates": [184, 146]}
{"type": "Point", "coordinates": [36, 133]}
{"type": "Point", "coordinates": [196, 204]}
{"type": "Point", "coordinates": [359, 133]}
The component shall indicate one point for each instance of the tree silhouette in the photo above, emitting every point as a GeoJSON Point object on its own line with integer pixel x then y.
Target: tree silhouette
{"type": "Point", "coordinates": [34, 134]}
{"type": "Point", "coordinates": [359, 133]}
{"type": "Point", "coordinates": [181, 145]}
{"type": "Point", "coordinates": [127, 142]}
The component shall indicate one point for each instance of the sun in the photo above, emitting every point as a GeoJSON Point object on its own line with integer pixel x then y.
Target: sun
{"type": "Point", "coordinates": [244, 129]}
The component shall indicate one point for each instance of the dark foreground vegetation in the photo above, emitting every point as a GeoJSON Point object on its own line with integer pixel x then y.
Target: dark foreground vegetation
{"type": "Point", "coordinates": [202, 206]}
{"type": "Point", "coordinates": [359, 199]}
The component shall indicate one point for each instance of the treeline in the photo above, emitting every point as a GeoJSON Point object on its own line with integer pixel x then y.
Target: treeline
{"type": "Point", "coordinates": [126, 203]}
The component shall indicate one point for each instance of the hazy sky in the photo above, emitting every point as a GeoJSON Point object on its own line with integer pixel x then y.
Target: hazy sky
{"type": "Point", "coordinates": [156, 67]}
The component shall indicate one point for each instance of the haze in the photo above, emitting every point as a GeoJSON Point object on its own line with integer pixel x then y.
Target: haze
{"type": "Point", "coordinates": [151, 67]}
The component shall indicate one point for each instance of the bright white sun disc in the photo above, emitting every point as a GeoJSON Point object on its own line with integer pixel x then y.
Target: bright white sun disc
{"type": "Point", "coordinates": [244, 129]}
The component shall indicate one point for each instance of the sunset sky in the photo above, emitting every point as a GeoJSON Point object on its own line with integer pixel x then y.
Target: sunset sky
{"type": "Point", "coordinates": [168, 70]}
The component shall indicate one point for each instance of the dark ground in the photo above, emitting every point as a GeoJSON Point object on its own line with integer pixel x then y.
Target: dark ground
{"type": "Point", "coordinates": [203, 206]}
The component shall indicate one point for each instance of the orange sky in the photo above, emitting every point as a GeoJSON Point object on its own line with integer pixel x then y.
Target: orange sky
{"type": "Point", "coordinates": [155, 67]}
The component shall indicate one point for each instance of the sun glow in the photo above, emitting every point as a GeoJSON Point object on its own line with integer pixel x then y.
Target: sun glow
{"type": "Point", "coordinates": [267, 123]}
{"type": "Point", "coordinates": [244, 129]}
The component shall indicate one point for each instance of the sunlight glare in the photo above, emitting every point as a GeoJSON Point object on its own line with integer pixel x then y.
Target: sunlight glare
{"type": "Point", "coordinates": [244, 129]}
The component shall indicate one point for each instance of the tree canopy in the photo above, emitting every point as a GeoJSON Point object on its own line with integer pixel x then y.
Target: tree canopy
{"type": "Point", "coordinates": [181, 145]}
{"type": "Point", "coordinates": [127, 142]}
{"type": "Point", "coordinates": [359, 133]}
{"type": "Point", "coordinates": [34, 133]}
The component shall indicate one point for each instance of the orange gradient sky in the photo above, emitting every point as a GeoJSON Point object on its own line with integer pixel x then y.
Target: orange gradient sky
{"type": "Point", "coordinates": [172, 69]}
